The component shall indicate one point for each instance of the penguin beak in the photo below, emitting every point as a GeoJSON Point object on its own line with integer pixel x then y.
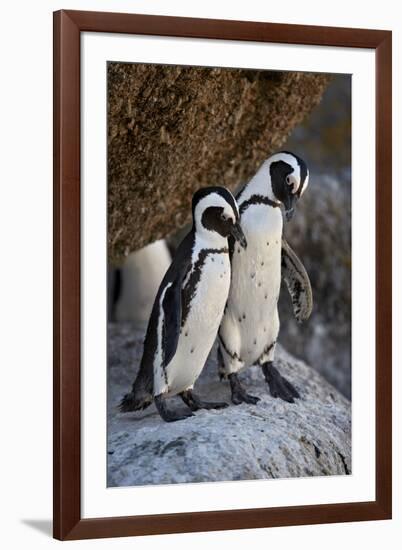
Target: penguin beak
{"type": "Point", "coordinates": [289, 204]}
{"type": "Point", "coordinates": [289, 214]}
{"type": "Point", "coordinates": [238, 234]}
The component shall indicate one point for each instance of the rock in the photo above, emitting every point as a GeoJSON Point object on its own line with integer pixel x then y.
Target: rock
{"type": "Point", "coordinates": [320, 233]}
{"type": "Point", "coordinates": [174, 129]}
{"type": "Point", "coordinates": [271, 440]}
{"type": "Point", "coordinates": [140, 277]}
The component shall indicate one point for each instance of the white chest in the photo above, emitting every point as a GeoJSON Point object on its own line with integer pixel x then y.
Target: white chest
{"type": "Point", "coordinates": [251, 320]}
{"type": "Point", "coordinates": [211, 291]}
{"type": "Point", "coordinates": [256, 271]}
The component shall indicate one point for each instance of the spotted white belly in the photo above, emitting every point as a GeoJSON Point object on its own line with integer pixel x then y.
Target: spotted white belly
{"type": "Point", "coordinates": [251, 321]}
{"type": "Point", "coordinates": [199, 332]}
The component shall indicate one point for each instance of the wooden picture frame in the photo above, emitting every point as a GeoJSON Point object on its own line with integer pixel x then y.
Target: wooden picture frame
{"type": "Point", "coordinates": [68, 25]}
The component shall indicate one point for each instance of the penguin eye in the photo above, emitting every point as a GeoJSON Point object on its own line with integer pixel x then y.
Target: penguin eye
{"type": "Point", "coordinates": [288, 180]}
{"type": "Point", "coordinates": [224, 217]}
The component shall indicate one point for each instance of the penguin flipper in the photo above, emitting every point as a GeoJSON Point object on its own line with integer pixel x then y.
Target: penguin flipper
{"type": "Point", "coordinates": [172, 309]}
{"type": "Point", "coordinates": [298, 283]}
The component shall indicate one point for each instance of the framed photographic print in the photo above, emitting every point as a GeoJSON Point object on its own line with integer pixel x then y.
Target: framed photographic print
{"type": "Point", "coordinates": [222, 266]}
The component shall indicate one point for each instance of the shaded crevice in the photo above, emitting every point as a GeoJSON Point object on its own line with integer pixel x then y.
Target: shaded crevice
{"type": "Point", "coordinates": [345, 466]}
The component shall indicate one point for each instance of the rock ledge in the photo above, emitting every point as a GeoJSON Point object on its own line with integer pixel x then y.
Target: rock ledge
{"type": "Point", "coordinates": [271, 440]}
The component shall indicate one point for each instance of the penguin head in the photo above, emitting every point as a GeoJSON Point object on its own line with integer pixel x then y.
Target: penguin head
{"type": "Point", "coordinates": [288, 180]}
{"type": "Point", "coordinates": [216, 214]}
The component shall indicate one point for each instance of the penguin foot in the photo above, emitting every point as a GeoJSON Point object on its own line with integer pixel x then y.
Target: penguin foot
{"type": "Point", "coordinates": [278, 385]}
{"type": "Point", "coordinates": [239, 394]}
{"type": "Point", "coordinates": [195, 403]}
{"type": "Point", "coordinates": [166, 414]}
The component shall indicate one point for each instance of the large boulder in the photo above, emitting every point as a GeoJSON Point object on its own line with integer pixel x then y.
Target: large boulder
{"type": "Point", "coordinates": [174, 129]}
{"type": "Point", "coordinates": [274, 439]}
{"type": "Point", "coordinates": [320, 233]}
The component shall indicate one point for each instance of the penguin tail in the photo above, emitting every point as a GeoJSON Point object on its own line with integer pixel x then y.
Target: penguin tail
{"type": "Point", "coordinates": [141, 395]}
{"type": "Point", "coordinates": [134, 402]}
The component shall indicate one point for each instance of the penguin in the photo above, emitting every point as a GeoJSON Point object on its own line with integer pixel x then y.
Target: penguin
{"type": "Point", "coordinates": [250, 324]}
{"type": "Point", "coordinates": [188, 309]}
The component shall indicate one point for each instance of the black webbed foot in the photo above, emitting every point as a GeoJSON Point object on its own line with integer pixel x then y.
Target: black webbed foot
{"type": "Point", "coordinates": [278, 385]}
{"type": "Point", "coordinates": [195, 403]}
{"type": "Point", "coordinates": [239, 394]}
{"type": "Point", "coordinates": [166, 414]}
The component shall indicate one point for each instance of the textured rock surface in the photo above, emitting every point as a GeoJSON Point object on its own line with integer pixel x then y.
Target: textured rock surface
{"type": "Point", "coordinates": [174, 129]}
{"type": "Point", "coordinates": [271, 440]}
{"type": "Point", "coordinates": [320, 232]}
